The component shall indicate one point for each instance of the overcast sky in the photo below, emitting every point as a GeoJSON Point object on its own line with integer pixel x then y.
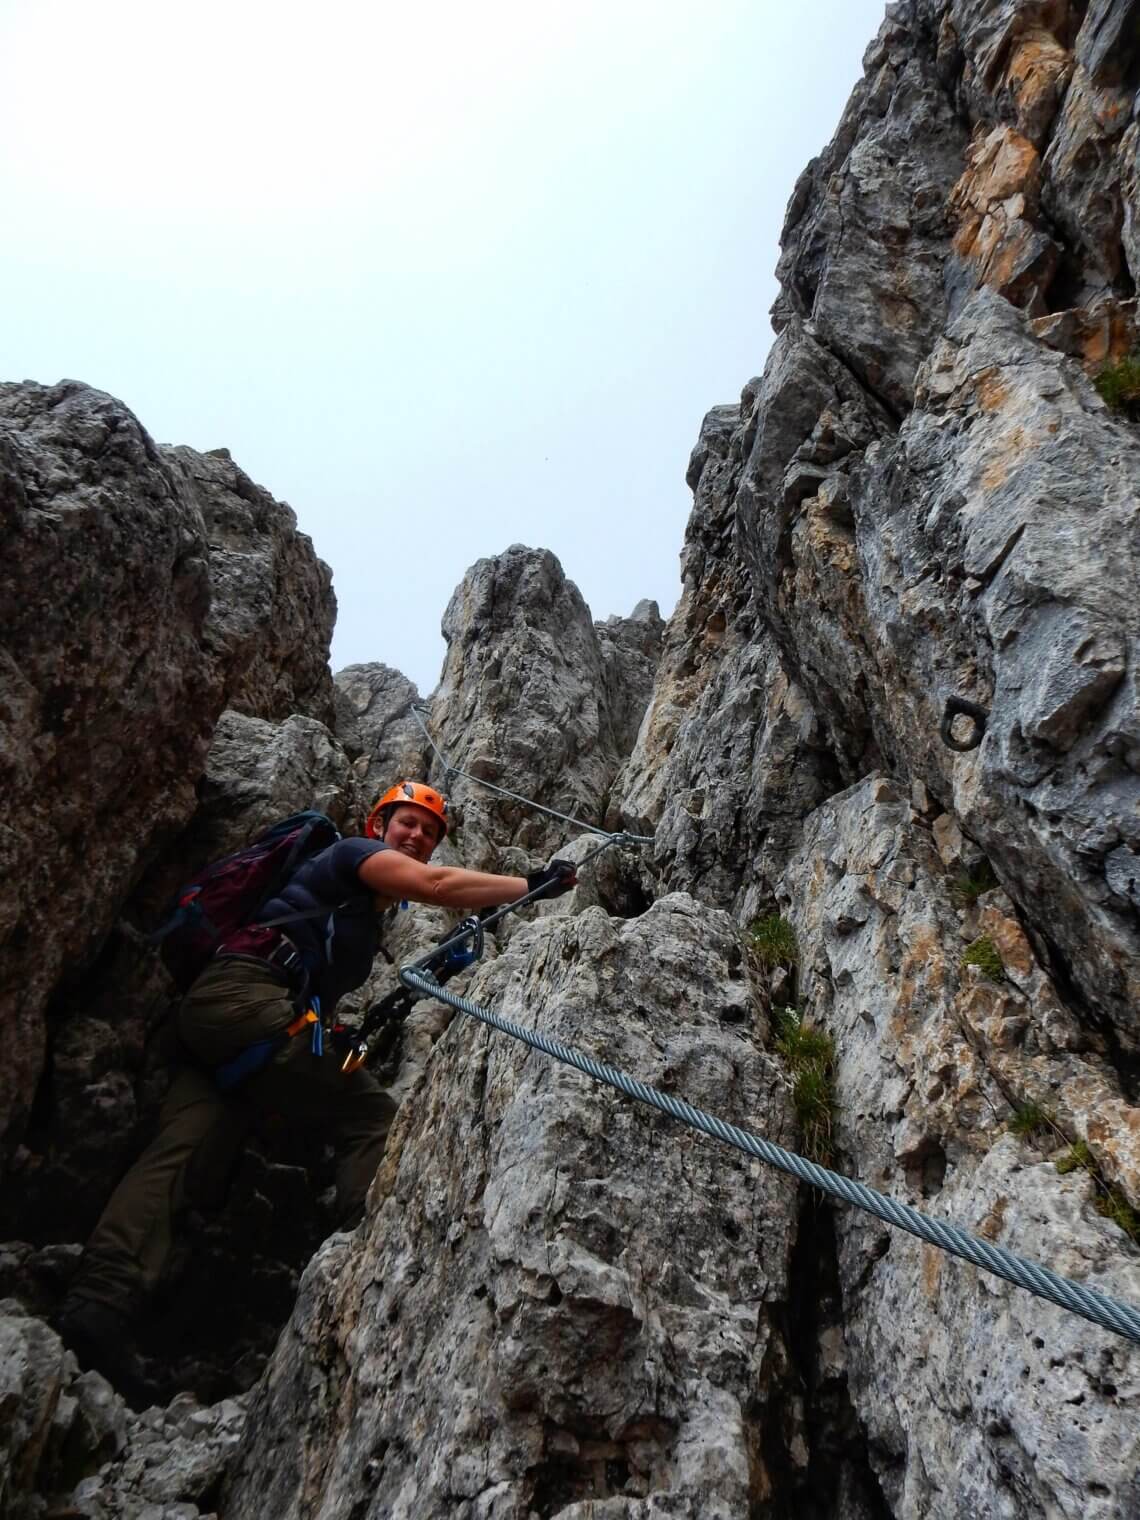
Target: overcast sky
{"type": "Point", "coordinates": [443, 277]}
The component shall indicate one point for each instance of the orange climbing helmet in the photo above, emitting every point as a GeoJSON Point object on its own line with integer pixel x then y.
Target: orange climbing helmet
{"type": "Point", "coordinates": [406, 794]}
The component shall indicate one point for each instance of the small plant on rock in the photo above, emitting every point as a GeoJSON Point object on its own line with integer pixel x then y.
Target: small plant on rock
{"type": "Point", "coordinates": [1115, 1206]}
{"type": "Point", "coordinates": [1110, 1202]}
{"type": "Point", "coordinates": [774, 941]}
{"type": "Point", "coordinates": [1119, 385]}
{"type": "Point", "coordinates": [983, 953]}
{"type": "Point", "coordinates": [1031, 1120]}
{"type": "Point", "coordinates": [968, 887]}
{"type": "Point", "coordinates": [1077, 1157]}
{"type": "Point", "coordinates": [810, 1057]}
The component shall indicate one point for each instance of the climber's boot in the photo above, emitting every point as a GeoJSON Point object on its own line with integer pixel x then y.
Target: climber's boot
{"type": "Point", "coordinates": [102, 1341]}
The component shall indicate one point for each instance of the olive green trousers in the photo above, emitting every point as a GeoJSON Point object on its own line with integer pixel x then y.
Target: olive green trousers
{"type": "Point", "coordinates": [232, 1005]}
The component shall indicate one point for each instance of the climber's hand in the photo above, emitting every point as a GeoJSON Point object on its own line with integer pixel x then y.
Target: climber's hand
{"type": "Point", "coordinates": [558, 877]}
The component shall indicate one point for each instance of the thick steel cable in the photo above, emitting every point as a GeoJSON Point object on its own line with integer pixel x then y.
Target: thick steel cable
{"type": "Point", "coordinates": [1110, 1313]}
{"type": "Point", "coordinates": [455, 770]}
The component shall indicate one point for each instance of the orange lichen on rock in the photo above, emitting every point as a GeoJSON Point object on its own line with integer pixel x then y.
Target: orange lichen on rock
{"type": "Point", "coordinates": [1009, 941]}
{"type": "Point", "coordinates": [999, 165]}
{"type": "Point", "coordinates": [991, 1226]}
{"type": "Point", "coordinates": [1096, 335]}
{"type": "Point", "coordinates": [1036, 77]}
{"type": "Point", "coordinates": [1011, 449]}
{"type": "Point", "coordinates": [996, 201]}
{"type": "Point", "coordinates": [993, 391]}
{"type": "Point", "coordinates": [931, 1270]}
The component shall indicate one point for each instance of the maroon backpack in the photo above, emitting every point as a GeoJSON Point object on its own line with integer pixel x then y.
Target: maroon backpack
{"type": "Point", "coordinates": [228, 892]}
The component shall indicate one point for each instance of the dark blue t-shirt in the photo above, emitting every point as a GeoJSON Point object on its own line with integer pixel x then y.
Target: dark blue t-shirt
{"type": "Point", "coordinates": [338, 948]}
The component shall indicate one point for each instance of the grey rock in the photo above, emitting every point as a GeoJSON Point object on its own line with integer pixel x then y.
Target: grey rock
{"type": "Point", "coordinates": [258, 772]}
{"type": "Point", "coordinates": [521, 642]}
{"type": "Point", "coordinates": [729, 756]}
{"type": "Point", "coordinates": [630, 649]}
{"type": "Point", "coordinates": [500, 1266]}
{"type": "Point", "coordinates": [106, 578]}
{"type": "Point", "coordinates": [377, 728]}
{"type": "Point", "coordinates": [272, 607]}
{"type": "Point", "coordinates": [960, 1379]}
{"type": "Point", "coordinates": [145, 586]}
{"type": "Point", "coordinates": [32, 1370]}
{"type": "Point", "coordinates": [866, 233]}
{"type": "Point", "coordinates": [562, 1304]}
{"type": "Point", "coordinates": [1029, 611]}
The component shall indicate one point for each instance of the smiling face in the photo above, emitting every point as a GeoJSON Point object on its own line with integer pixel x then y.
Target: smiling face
{"type": "Point", "coordinates": [413, 831]}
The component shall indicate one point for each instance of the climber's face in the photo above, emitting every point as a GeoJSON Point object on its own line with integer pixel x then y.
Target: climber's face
{"type": "Point", "coordinates": [413, 831]}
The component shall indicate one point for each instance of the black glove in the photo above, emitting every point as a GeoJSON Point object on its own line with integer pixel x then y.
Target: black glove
{"type": "Point", "coordinates": [558, 877]}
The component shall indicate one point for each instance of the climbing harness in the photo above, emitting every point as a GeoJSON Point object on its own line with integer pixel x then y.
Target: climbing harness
{"type": "Point", "coordinates": [960, 707]}
{"type": "Point", "coordinates": [254, 1057]}
{"type": "Point", "coordinates": [501, 791]}
{"type": "Point", "coordinates": [1112, 1314]}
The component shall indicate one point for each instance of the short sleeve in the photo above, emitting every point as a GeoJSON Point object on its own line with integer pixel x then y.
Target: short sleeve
{"type": "Point", "coordinates": [346, 858]}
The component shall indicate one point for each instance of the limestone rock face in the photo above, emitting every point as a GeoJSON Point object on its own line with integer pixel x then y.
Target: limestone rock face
{"type": "Point", "coordinates": [506, 1349]}
{"type": "Point", "coordinates": [561, 1304]}
{"type": "Point", "coordinates": [975, 1396]}
{"type": "Point", "coordinates": [144, 587]}
{"type": "Point", "coordinates": [272, 606]}
{"type": "Point", "coordinates": [258, 772]}
{"type": "Point", "coordinates": [522, 645]}
{"type": "Point", "coordinates": [631, 648]}
{"type": "Point", "coordinates": [163, 1463]}
{"type": "Point", "coordinates": [865, 233]}
{"type": "Point", "coordinates": [109, 695]}
{"type": "Point", "coordinates": [729, 757]}
{"type": "Point", "coordinates": [918, 499]}
{"type": "Point", "coordinates": [1009, 580]}
{"type": "Point", "coordinates": [375, 724]}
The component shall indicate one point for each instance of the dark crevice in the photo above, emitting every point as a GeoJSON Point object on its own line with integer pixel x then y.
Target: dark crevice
{"type": "Point", "coordinates": [624, 895]}
{"type": "Point", "coordinates": [1125, 1063]}
{"type": "Point", "coordinates": [925, 1168]}
{"type": "Point", "coordinates": [838, 1475]}
{"type": "Point", "coordinates": [586, 1464]}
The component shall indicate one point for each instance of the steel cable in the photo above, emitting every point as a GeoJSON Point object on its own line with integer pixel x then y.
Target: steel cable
{"type": "Point", "coordinates": [1110, 1313]}
{"type": "Point", "coordinates": [501, 791]}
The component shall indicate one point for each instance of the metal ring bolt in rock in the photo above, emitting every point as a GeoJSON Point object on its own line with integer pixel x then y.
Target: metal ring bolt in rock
{"type": "Point", "coordinates": [959, 707]}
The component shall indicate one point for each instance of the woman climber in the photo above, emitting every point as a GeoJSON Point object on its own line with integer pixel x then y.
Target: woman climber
{"type": "Point", "coordinates": [238, 1029]}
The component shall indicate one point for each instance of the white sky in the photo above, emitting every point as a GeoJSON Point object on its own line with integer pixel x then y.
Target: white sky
{"type": "Point", "coordinates": [443, 277]}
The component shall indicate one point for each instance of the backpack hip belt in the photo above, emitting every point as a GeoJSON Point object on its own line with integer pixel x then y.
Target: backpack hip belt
{"type": "Point", "coordinates": [272, 947]}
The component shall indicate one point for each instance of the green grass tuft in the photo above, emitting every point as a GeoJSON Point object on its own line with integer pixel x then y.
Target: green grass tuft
{"type": "Point", "coordinates": [967, 888]}
{"type": "Point", "coordinates": [1115, 1206]}
{"type": "Point", "coordinates": [810, 1057]}
{"type": "Point", "coordinates": [1077, 1156]}
{"type": "Point", "coordinates": [801, 1043]}
{"type": "Point", "coordinates": [774, 941]}
{"type": "Point", "coordinates": [983, 954]}
{"type": "Point", "coordinates": [1110, 1202]}
{"type": "Point", "coordinates": [1031, 1119]}
{"type": "Point", "coordinates": [1119, 384]}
